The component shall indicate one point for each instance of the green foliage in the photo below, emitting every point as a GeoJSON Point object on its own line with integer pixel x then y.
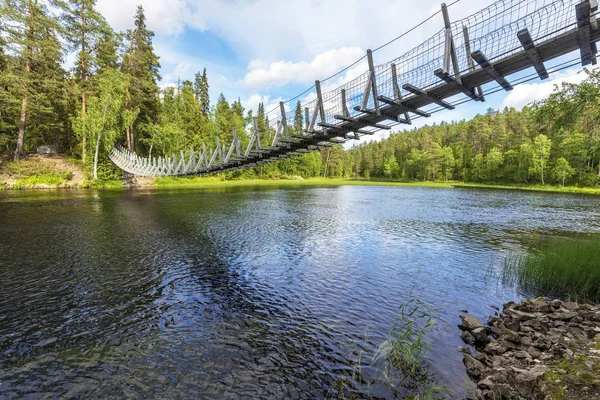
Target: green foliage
{"type": "Point", "coordinates": [509, 146]}
{"type": "Point", "coordinates": [562, 170]}
{"type": "Point", "coordinates": [566, 269]}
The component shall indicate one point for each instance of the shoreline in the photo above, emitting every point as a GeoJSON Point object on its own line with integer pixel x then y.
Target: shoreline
{"type": "Point", "coordinates": [212, 182]}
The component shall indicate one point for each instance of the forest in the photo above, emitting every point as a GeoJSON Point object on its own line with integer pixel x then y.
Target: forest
{"type": "Point", "coordinates": [112, 95]}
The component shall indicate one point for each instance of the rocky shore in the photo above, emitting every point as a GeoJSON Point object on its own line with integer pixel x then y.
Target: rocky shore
{"type": "Point", "coordinates": [538, 349]}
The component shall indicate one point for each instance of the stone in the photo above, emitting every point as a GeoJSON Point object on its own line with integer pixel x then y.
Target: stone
{"type": "Point", "coordinates": [495, 348]}
{"type": "Point", "coordinates": [521, 315]}
{"type": "Point", "coordinates": [563, 315]}
{"type": "Point", "coordinates": [468, 338]}
{"type": "Point", "coordinates": [50, 149]}
{"type": "Point", "coordinates": [475, 369]}
{"type": "Point", "coordinates": [469, 323]}
{"type": "Point", "coordinates": [480, 335]}
{"type": "Point", "coordinates": [485, 383]}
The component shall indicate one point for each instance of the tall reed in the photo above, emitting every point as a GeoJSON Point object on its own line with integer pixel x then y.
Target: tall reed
{"type": "Point", "coordinates": [568, 269]}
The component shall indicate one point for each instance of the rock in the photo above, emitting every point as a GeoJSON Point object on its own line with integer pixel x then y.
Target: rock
{"type": "Point", "coordinates": [495, 348]}
{"type": "Point", "coordinates": [521, 315]}
{"type": "Point", "coordinates": [469, 323]}
{"type": "Point", "coordinates": [51, 149]}
{"type": "Point", "coordinates": [475, 369]}
{"type": "Point", "coordinates": [511, 336]}
{"type": "Point", "coordinates": [480, 335]}
{"type": "Point", "coordinates": [516, 347]}
{"type": "Point", "coordinates": [563, 316]}
{"type": "Point", "coordinates": [468, 338]}
{"type": "Point", "coordinates": [485, 384]}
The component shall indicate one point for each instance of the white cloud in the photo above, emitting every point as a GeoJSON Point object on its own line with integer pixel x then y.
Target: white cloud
{"type": "Point", "coordinates": [251, 103]}
{"type": "Point", "coordinates": [278, 73]}
{"type": "Point", "coordinates": [163, 16]}
{"type": "Point", "coordinates": [270, 31]}
{"type": "Point", "coordinates": [527, 93]}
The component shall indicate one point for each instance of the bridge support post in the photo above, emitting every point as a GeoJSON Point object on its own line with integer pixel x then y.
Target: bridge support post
{"type": "Point", "coordinates": [345, 111]}
{"type": "Point", "coordinates": [467, 41]}
{"type": "Point", "coordinates": [319, 110]}
{"type": "Point", "coordinates": [236, 140]}
{"type": "Point", "coordinates": [284, 120]}
{"type": "Point", "coordinates": [397, 92]}
{"type": "Point", "coordinates": [371, 87]}
{"type": "Point", "coordinates": [450, 54]}
{"type": "Point", "coordinates": [306, 119]}
{"type": "Point", "coordinates": [449, 49]}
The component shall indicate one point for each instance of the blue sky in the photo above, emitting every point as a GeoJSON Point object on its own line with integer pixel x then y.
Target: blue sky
{"type": "Point", "coordinates": [267, 50]}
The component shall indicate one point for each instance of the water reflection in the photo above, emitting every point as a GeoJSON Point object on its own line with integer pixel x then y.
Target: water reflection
{"type": "Point", "coordinates": [249, 293]}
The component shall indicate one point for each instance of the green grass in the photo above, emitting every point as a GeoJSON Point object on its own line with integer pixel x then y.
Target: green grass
{"type": "Point", "coordinates": [533, 188]}
{"type": "Point", "coordinates": [209, 182]}
{"type": "Point", "coordinates": [406, 347]}
{"type": "Point", "coordinates": [103, 184]}
{"type": "Point", "coordinates": [567, 269]}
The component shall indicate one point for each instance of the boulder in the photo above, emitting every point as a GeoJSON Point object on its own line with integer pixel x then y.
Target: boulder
{"type": "Point", "coordinates": [469, 323]}
{"type": "Point", "coordinates": [47, 149]}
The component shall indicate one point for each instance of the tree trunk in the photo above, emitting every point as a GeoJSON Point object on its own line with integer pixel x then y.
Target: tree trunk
{"type": "Point", "coordinates": [96, 156]}
{"type": "Point", "coordinates": [84, 67]}
{"type": "Point", "coordinates": [19, 151]}
{"type": "Point", "coordinates": [131, 139]}
{"type": "Point", "coordinates": [128, 138]}
{"type": "Point", "coordinates": [83, 134]}
{"type": "Point", "coordinates": [326, 163]}
{"type": "Point", "coordinates": [21, 139]}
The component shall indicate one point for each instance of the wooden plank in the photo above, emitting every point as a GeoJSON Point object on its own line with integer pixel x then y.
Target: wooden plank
{"type": "Point", "coordinates": [532, 52]}
{"type": "Point", "coordinates": [401, 104]}
{"type": "Point", "coordinates": [445, 76]}
{"type": "Point", "coordinates": [431, 97]}
{"type": "Point", "coordinates": [387, 115]}
{"type": "Point", "coordinates": [362, 121]}
{"type": "Point", "coordinates": [582, 12]}
{"type": "Point", "coordinates": [484, 63]}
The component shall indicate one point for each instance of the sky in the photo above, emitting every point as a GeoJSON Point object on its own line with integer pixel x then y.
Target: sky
{"type": "Point", "coordinates": [268, 50]}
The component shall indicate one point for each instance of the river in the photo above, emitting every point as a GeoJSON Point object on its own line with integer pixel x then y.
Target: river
{"type": "Point", "coordinates": [252, 293]}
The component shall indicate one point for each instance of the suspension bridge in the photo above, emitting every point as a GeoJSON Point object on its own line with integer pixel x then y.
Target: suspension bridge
{"type": "Point", "coordinates": [448, 69]}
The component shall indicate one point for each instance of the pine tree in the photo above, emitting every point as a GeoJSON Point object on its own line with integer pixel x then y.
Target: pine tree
{"type": "Point", "coordinates": [141, 65]}
{"type": "Point", "coordinates": [32, 39]}
{"type": "Point", "coordinates": [83, 27]}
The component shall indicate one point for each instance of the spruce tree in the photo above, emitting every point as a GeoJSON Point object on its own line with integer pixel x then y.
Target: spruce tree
{"type": "Point", "coordinates": [201, 92]}
{"type": "Point", "coordinates": [298, 119]}
{"type": "Point", "coordinates": [106, 49]}
{"type": "Point", "coordinates": [141, 65]}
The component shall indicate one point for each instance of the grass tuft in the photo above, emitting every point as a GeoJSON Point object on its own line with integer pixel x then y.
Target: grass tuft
{"type": "Point", "coordinates": [405, 349]}
{"type": "Point", "coordinates": [567, 269]}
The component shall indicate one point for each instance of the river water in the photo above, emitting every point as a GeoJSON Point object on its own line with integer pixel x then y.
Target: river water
{"type": "Point", "coordinates": [252, 293]}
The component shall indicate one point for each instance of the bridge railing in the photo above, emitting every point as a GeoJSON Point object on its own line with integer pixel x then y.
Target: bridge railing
{"type": "Point", "coordinates": [493, 31]}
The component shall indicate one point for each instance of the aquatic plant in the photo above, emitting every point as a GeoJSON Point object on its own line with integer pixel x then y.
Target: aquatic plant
{"type": "Point", "coordinates": [568, 269]}
{"type": "Point", "coordinates": [403, 354]}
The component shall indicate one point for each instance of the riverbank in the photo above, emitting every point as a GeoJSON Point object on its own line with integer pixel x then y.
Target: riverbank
{"type": "Point", "coordinates": [538, 349]}
{"type": "Point", "coordinates": [39, 172]}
